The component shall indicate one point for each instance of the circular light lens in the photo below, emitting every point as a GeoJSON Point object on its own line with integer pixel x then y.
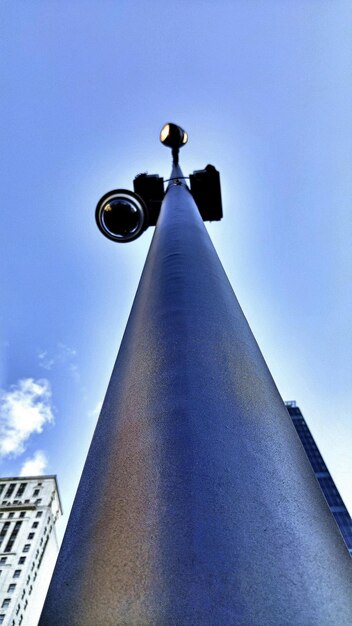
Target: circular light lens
{"type": "Point", "coordinates": [121, 216]}
{"type": "Point", "coordinates": [164, 132]}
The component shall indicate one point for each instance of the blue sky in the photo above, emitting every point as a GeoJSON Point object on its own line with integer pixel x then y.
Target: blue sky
{"type": "Point", "coordinates": [264, 91]}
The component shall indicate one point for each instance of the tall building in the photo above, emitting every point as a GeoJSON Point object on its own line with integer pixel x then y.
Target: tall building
{"type": "Point", "coordinates": [29, 509]}
{"type": "Point", "coordinates": [333, 498]}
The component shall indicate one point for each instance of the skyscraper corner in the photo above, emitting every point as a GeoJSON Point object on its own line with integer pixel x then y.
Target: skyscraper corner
{"type": "Point", "coordinates": [29, 510]}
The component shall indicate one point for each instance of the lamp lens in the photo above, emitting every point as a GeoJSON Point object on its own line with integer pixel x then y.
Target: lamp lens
{"type": "Point", "coordinates": [165, 131]}
{"type": "Point", "coordinates": [121, 218]}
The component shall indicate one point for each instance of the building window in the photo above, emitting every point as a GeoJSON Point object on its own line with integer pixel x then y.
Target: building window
{"type": "Point", "coordinates": [23, 594]}
{"type": "Point", "coordinates": [26, 547]}
{"type": "Point", "coordinates": [2, 617]}
{"type": "Point", "coordinates": [30, 590]}
{"type": "Point", "coordinates": [36, 492]}
{"type": "Point", "coordinates": [31, 535]}
{"type": "Point", "coordinates": [21, 560]}
{"type": "Point", "coordinates": [39, 513]}
{"type": "Point", "coordinates": [26, 501]}
{"type": "Point", "coordinates": [11, 588]}
{"type": "Point", "coordinates": [3, 559]}
{"type": "Point", "coordinates": [13, 536]}
{"type": "Point", "coordinates": [33, 566]}
{"type": "Point", "coordinates": [21, 619]}
{"type": "Point", "coordinates": [39, 501]}
{"type": "Point", "coordinates": [22, 514]}
{"type": "Point", "coordinates": [21, 490]}
{"type": "Point", "coordinates": [10, 515]}
{"type": "Point", "coordinates": [10, 490]}
{"type": "Point", "coordinates": [17, 573]}
{"type": "Point", "coordinates": [6, 603]}
{"type": "Point", "coordinates": [4, 531]}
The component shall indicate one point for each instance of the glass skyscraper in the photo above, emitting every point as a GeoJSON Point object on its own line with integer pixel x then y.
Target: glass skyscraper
{"type": "Point", "coordinates": [333, 498]}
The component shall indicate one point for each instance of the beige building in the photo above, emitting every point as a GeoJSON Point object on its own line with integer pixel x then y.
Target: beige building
{"type": "Point", "coordinates": [29, 509]}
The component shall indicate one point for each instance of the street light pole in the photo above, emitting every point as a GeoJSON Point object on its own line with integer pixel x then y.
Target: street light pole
{"type": "Point", "coordinates": [197, 504]}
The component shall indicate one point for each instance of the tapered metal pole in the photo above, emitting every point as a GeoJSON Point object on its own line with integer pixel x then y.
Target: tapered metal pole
{"type": "Point", "coordinates": [197, 504]}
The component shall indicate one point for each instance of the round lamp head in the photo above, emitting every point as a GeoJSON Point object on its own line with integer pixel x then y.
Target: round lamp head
{"type": "Point", "coordinates": [173, 136]}
{"type": "Point", "coordinates": [121, 215]}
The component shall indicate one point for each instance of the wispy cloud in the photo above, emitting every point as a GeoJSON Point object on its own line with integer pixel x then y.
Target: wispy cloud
{"type": "Point", "coordinates": [63, 354]}
{"type": "Point", "coordinates": [36, 465]}
{"type": "Point", "coordinates": [45, 361]}
{"type": "Point", "coordinates": [96, 411]}
{"type": "Point", "coordinates": [24, 410]}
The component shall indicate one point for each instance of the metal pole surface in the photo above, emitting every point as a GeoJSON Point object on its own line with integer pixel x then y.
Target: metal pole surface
{"type": "Point", "coordinates": [197, 504]}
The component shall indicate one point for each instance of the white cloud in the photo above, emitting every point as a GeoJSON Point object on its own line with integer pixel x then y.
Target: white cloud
{"type": "Point", "coordinates": [36, 465]}
{"type": "Point", "coordinates": [24, 410]}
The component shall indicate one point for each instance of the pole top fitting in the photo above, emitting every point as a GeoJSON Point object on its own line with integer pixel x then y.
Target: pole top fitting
{"type": "Point", "coordinates": [173, 137]}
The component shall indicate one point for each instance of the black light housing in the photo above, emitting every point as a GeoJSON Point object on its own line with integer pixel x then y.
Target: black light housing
{"type": "Point", "coordinates": [173, 136]}
{"type": "Point", "coordinates": [206, 191]}
{"type": "Point", "coordinates": [121, 215]}
{"type": "Point", "coordinates": [150, 187]}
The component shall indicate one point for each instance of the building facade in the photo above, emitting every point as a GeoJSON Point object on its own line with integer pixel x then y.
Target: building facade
{"type": "Point", "coordinates": [333, 498]}
{"type": "Point", "coordinates": [29, 510]}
